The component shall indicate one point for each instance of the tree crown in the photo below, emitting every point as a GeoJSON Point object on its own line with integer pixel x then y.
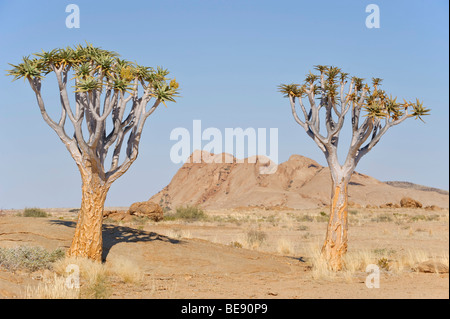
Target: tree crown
{"type": "Point", "coordinates": [337, 97]}
{"type": "Point", "coordinates": [375, 101]}
{"type": "Point", "coordinates": [99, 75]}
{"type": "Point", "coordinates": [95, 68]}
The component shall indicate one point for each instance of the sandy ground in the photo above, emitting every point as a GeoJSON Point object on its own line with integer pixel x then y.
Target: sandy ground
{"type": "Point", "coordinates": [219, 258]}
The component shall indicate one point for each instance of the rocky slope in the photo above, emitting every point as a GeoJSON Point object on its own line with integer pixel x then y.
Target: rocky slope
{"type": "Point", "coordinates": [299, 182]}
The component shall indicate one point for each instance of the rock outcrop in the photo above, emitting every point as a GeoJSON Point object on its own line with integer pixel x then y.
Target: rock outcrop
{"type": "Point", "coordinates": [222, 181]}
{"type": "Point", "coordinates": [147, 209]}
{"type": "Point", "coordinates": [140, 209]}
{"type": "Point", "coordinates": [408, 202]}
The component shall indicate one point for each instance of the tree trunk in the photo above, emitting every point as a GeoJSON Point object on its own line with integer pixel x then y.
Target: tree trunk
{"type": "Point", "coordinates": [87, 241]}
{"type": "Point", "coordinates": [335, 245]}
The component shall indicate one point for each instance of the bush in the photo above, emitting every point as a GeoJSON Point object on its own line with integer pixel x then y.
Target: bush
{"type": "Point", "coordinates": [236, 244]}
{"type": "Point", "coordinates": [188, 213]}
{"type": "Point", "coordinates": [28, 258]}
{"type": "Point", "coordinates": [322, 217]}
{"type": "Point", "coordinates": [382, 219]}
{"type": "Point", "coordinates": [305, 218]}
{"type": "Point", "coordinates": [34, 212]}
{"type": "Point", "coordinates": [256, 237]}
{"type": "Point", "coordinates": [383, 263]}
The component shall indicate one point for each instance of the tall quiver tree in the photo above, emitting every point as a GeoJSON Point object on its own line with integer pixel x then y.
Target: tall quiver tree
{"type": "Point", "coordinates": [105, 88]}
{"type": "Point", "coordinates": [331, 94]}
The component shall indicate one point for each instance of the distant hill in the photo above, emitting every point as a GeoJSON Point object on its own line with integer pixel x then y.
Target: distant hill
{"type": "Point", "coordinates": [409, 185]}
{"type": "Point", "coordinates": [300, 182]}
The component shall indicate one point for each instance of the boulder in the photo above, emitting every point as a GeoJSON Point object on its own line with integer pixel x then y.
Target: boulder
{"type": "Point", "coordinates": [433, 207]}
{"type": "Point", "coordinates": [431, 266]}
{"type": "Point", "coordinates": [389, 205]}
{"type": "Point", "coordinates": [407, 202]}
{"type": "Point", "coordinates": [116, 215]}
{"type": "Point", "coordinates": [354, 205]}
{"type": "Point", "coordinates": [147, 209]}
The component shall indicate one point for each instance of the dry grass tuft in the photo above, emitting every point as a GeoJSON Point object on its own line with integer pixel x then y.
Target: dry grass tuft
{"type": "Point", "coordinates": [126, 270]}
{"type": "Point", "coordinates": [54, 288]}
{"type": "Point", "coordinates": [93, 276]}
{"type": "Point", "coordinates": [285, 246]}
{"type": "Point", "coordinates": [355, 262]}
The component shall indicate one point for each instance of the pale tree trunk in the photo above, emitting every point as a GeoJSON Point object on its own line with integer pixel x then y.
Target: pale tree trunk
{"type": "Point", "coordinates": [87, 241]}
{"type": "Point", "coordinates": [335, 245]}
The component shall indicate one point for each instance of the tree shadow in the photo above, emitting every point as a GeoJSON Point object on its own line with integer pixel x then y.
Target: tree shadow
{"type": "Point", "coordinates": [115, 234]}
{"type": "Point", "coordinates": [299, 259]}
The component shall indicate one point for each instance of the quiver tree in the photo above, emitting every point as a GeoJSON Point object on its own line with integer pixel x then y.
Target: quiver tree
{"type": "Point", "coordinates": [105, 88]}
{"type": "Point", "coordinates": [332, 95]}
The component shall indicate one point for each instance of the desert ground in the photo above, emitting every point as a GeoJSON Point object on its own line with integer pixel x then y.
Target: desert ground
{"type": "Point", "coordinates": [246, 252]}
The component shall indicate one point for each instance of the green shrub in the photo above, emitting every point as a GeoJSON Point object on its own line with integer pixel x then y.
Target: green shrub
{"type": "Point", "coordinates": [99, 289]}
{"type": "Point", "coordinates": [187, 213]}
{"type": "Point", "coordinates": [384, 252]}
{"type": "Point", "coordinates": [424, 218]}
{"type": "Point", "coordinates": [383, 263]}
{"type": "Point", "coordinates": [382, 219]}
{"type": "Point", "coordinates": [236, 244]}
{"type": "Point", "coordinates": [305, 218]}
{"type": "Point", "coordinates": [34, 212]}
{"type": "Point", "coordinates": [28, 258]}
{"type": "Point", "coordinates": [322, 217]}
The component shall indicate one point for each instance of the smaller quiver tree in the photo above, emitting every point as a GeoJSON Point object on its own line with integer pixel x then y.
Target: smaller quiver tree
{"type": "Point", "coordinates": [332, 95]}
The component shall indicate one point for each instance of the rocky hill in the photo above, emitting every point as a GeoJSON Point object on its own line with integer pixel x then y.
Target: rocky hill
{"type": "Point", "coordinates": [299, 182]}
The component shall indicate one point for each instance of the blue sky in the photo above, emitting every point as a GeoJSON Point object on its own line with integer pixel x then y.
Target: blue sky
{"type": "Point", "coordinates": [229, 56]}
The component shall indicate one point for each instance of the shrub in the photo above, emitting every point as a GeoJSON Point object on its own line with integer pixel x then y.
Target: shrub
{"type": "Point", "coordinates": [383, 263]}
{"type": "Point", "coordinates": [256, 237]}
{"type": "Point", "coordinates": [322, 217]}
{"type": "Point", "coordinates": [99, 289]}
{"type": "Point", "coordinates": [305, 218]}
{"type": "Point", "coordinates": [95, 283]}
{"type": "Point", "coordinates": [187, 213]}
{"type": "Point", "coordinates": [236, 244]}
{"type": "Point", "coordinates": [29, 258]}
{"type": "Point", "coordinates": [424, 218]}
{"type": "Point", "coordinates": [285, 247]}
{"type": "Point", "coordinates": [34, 212]}
{"type": "Point", "coordinates": [382, 219]}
